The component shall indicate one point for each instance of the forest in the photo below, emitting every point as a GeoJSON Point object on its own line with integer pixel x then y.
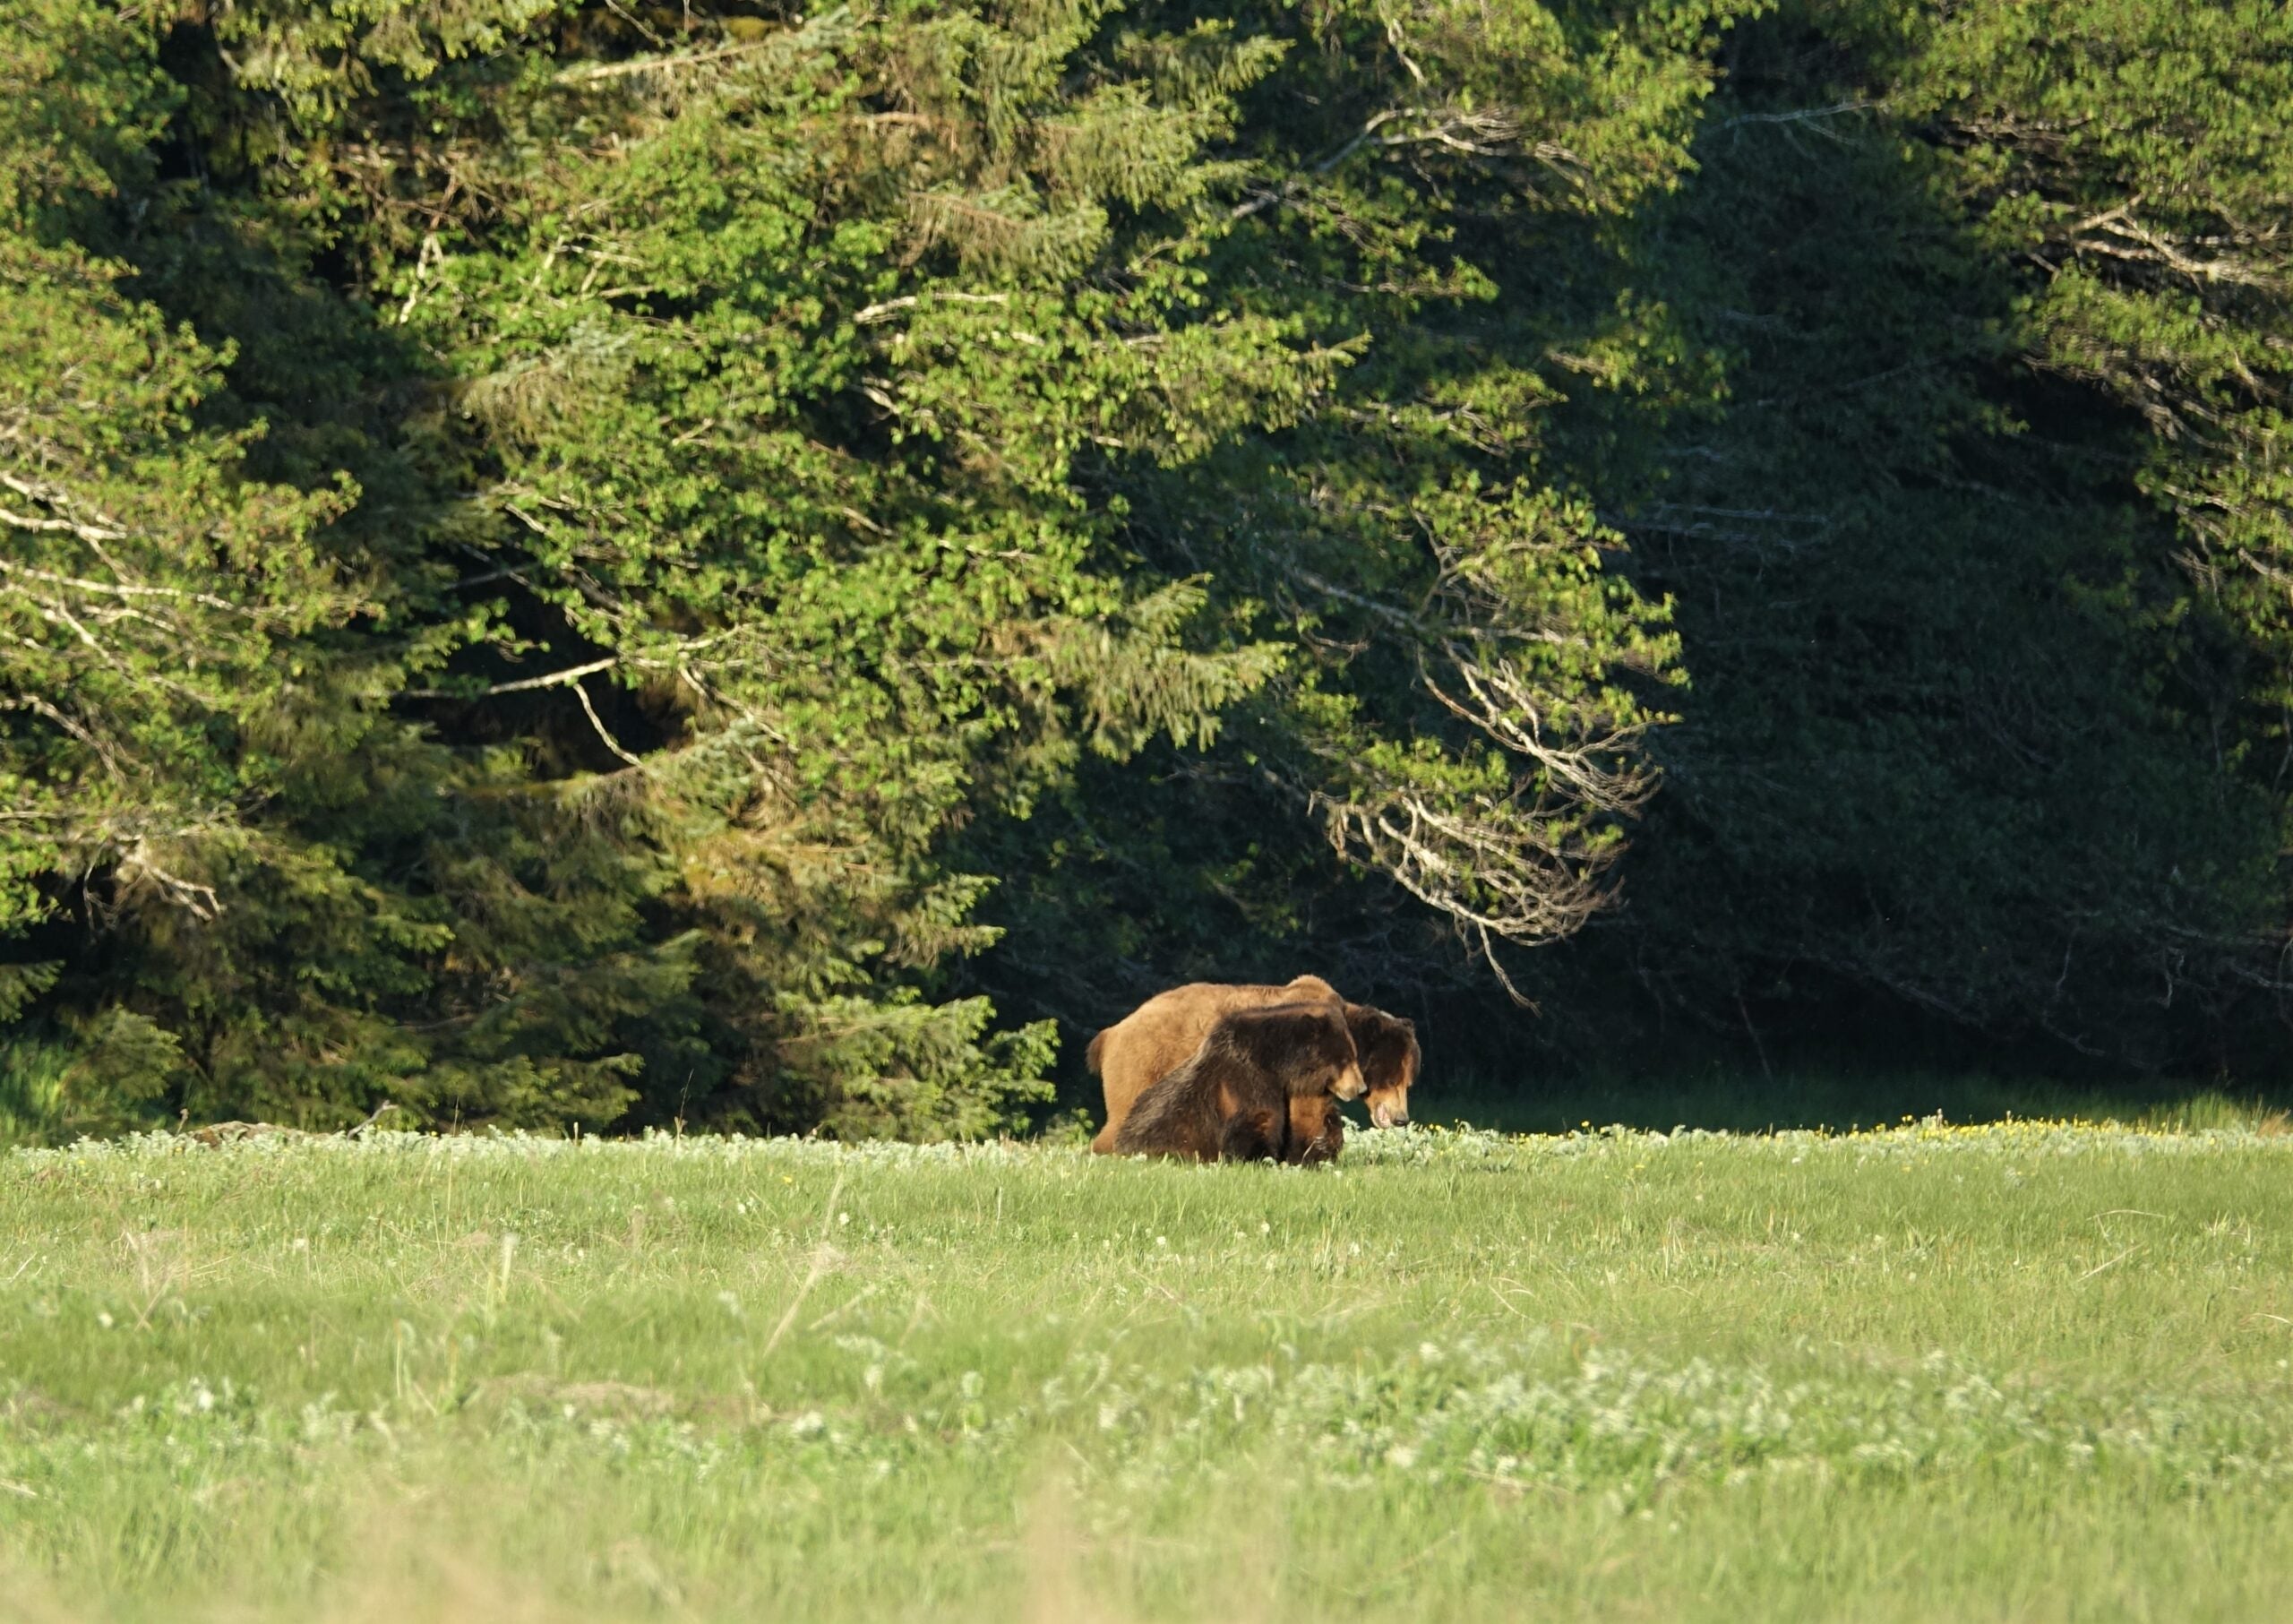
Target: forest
{"type": "Point", "coordinates": [597, 564]}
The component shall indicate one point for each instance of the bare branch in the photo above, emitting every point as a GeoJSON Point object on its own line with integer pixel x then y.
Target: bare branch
{"type": "Point", "coordinates": [597, 722]}
{"type": "Point", "coordinates": [662, 64]}
{"type": "Point", "coordinates": [572, 675]}
{"type": "Point", "coordinates": [123, 590]}
{"type": "Point", "coordinates": [41, 706]}
{"type": "Point", "coordinates": [871, 314]}
{"type": "Point", "coordinates": [199, 900]}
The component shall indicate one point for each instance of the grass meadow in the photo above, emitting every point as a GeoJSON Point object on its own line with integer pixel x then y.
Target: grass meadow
{"type": "Point", "coordinates": [2029, 1371]}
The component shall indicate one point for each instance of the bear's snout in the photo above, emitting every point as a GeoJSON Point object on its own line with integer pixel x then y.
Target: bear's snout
{"type": "Point", "coordinates": [1350, 1084]}
{"type": "Point", "coordinates": [1390, 1112]}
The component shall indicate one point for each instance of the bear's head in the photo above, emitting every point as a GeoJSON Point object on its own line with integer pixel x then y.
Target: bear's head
{"type": "Point", "coordinates": [1387, 1045]}
{"type": "Point", "coordinates": [1309, 1045]}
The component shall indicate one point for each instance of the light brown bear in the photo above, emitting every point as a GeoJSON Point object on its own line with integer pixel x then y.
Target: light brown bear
{"type": "Point", "coordinates": [1159, 1035]}
{"type": "Point", "coordinates": [1232, 1099]}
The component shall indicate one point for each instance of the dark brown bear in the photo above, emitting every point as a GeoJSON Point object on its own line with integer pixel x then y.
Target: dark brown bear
{"type": "Point", "coordinates": [1387, 1046]}
{"type": "Point", "coordinates": [1230, 1099]}
{"type": "Point", "coordinates": [1159, 1035]}
{"type": "Point", "coordinates": [1317, 1130]}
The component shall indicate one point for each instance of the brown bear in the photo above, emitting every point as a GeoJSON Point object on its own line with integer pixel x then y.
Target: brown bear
{"type": "Point", "coordinates": [1317, 1130]}
{"type": "Point", "coordinates": [1387, 1047]}
{"type": "Point", "coordinates": [1230, 1099]}
{"type": "Point", "coordinates": [1157, 1036]}
{"type": "Point", "coordinates": [1387, 1044]}
{"type": "Point", "coordinates": [1160, 1035]}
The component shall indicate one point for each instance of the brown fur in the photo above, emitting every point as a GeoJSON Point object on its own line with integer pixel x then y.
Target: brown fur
{"type": "Point", "coordinates": [1159, 1035]}
{"type": "Point", "coordinates": [1232, 1099]}
{"type": "Point", "coordinates": [1317, 1130]}
{"type": "Point", "coordinates": [1387, 1044]}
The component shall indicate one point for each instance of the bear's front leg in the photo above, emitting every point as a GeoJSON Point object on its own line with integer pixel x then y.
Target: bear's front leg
{"type": "Point", "coordinates": [1253, 1135]}
{"type": "Point", "coordinates": [1317, 1130]}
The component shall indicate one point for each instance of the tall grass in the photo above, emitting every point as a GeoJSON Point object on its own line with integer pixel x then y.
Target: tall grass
{"type": "Point", "coordinates": [33, 1106]}
{"type": "Point", "coordinates": [2025, 1371]}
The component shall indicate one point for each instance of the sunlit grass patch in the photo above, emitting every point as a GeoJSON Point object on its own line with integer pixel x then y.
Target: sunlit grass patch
{"type": "Point", "coordinates": [1917, 1370]}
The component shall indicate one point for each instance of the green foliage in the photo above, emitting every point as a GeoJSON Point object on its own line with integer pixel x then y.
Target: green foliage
{"type": "Point", "coordinates": [2135, 155]}
{"type": "Point", "coordinates": [580, 564]}
{"type": "Point", "coordinates": [1980, 720]}
{"type": "Point", "coordinates": [561, 516]}
{"type": "Point", "coordinates": [1933, 460]}
{"type": "Point", "coordinates": [1446, 200]}
{"type": "Point", "coordinates": [104, 1081]}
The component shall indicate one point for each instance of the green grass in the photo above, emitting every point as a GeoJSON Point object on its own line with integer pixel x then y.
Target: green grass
{"type": "Point", "coordinates": [2019, 1372]}
{"type": "Point", "coordinates": [1841, 1099]}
